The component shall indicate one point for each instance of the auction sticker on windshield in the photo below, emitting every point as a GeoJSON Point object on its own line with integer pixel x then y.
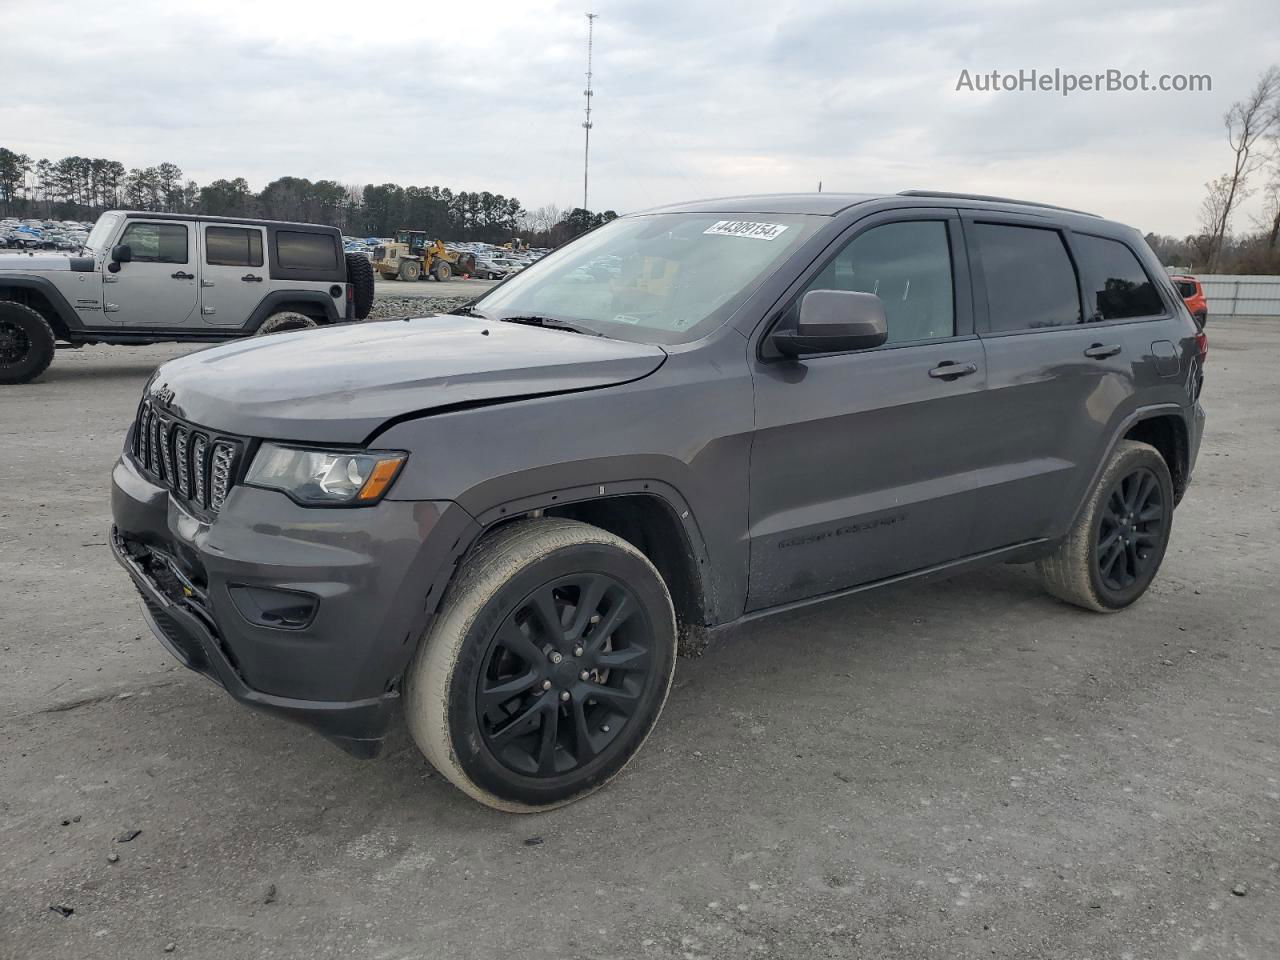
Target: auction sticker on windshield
{"type": "Point", "coordinates": [746, 228]}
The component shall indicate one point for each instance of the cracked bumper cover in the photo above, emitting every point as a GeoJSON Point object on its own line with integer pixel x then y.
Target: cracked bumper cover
{"type": "Point", "coordinates": [376, 573]}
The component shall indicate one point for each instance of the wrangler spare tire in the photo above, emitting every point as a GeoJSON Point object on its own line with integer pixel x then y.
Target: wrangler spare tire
{"type": "Point", "coordinates": [360, 276]}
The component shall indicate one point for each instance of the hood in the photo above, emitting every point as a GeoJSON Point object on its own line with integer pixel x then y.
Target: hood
{"type": "Point", "coordinates": [340, 384]}
{"type": "Point", "coordinates": [42, 262]}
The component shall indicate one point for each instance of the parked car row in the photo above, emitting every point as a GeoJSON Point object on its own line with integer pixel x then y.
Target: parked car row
{"type": "Point", "coordinates": [42, 234]}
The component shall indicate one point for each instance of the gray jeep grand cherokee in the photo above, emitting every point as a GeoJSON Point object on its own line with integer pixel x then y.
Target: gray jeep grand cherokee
{"type": "Point", "coordinates": [506, 519]}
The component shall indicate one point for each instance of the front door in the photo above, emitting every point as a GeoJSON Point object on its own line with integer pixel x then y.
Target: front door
{"type": "Point", "coordinates": [158, 287]}
{"type": "Point", "coordinates": [233, 273]}
{"type": "Point", "coordinates": [861, 466]}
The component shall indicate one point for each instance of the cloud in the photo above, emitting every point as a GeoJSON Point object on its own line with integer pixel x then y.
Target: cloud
{"type": "Point", "coordinates": [693, 98]}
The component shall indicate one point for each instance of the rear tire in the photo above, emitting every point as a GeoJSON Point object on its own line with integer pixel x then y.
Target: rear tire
{"type": "Point", "coordinates": [284, 322]}
{"type": "Point", "coordinates": [360, 276]}
{"type": "Point", "coordinates": [409, 270]}
{"type": "Point", "coordinates": [1115, 548]}
{"type": "Point", "coordinates": [26, 343]}
{"type": "Point", "coordinates": [547, 667]}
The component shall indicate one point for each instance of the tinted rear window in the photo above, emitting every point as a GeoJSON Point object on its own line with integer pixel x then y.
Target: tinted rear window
{"type": "Point", "coordinates": [1186, 288]}
{"type": "Point", "coordinates": [306, 251]}
{"type": "Point", "coordinates": [1117, 284]}
{"type": "Point", "coordinates": [233, 247]}
{"type": "Point", "coordinates": [1030, 281]}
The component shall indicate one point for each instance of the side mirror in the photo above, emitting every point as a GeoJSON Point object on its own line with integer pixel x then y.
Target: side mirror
{"type": "Point", "coordinates": [834, 321]}
{"type": "Point", "coordinates": [122, 253]}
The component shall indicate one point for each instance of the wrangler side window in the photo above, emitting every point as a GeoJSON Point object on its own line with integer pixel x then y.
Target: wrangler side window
{"type": "Point", "coordinates": [157, 242]}
{"type": "Point", "coordinates": [908, 266]}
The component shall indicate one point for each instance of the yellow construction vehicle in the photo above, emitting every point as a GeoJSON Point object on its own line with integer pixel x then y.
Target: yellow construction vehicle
{"type": "Point", "coordinates": [412, 256]}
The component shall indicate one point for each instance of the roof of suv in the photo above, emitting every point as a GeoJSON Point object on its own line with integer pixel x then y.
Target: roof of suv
{"type": "Point", "coordinates": [241, 221]}
{"type": "Point", "coordinates": [830, 204]}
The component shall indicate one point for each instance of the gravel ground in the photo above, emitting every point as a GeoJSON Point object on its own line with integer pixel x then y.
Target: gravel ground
{"type": "Point", "coordinates": [963, 769]}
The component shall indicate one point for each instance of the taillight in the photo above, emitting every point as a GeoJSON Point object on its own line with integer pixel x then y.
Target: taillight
{"type": "Point", "coordinates": [1202, 346]}
{"type": "Point", "coordinates": [351, 293]}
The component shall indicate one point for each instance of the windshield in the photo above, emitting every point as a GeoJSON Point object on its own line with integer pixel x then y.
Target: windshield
{"type": "Point", "coordinates": [101, 231]}
{"type": "Point", "coordinates": [660, 278]}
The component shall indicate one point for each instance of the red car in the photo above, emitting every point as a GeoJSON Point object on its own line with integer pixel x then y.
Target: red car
{"type": "Point", "coordinates": [1193, 295]}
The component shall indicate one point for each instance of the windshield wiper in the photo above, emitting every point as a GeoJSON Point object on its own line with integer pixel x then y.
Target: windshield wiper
{"type": "Point", "coordinates": [551, 323]}
{"type": "Point", "coordinates": [467, 310]}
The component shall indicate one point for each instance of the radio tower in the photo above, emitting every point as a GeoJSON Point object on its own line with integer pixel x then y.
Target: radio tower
{"type": "Point", "coordinates": [586, 126]}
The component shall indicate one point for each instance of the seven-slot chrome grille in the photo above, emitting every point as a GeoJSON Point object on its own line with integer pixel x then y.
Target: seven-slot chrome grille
{"type": "Point", "coordinates": [197, 465]}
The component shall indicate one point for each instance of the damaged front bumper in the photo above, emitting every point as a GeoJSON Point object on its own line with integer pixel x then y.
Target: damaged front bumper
{"type": "Point", "coordinates": [221, 596]}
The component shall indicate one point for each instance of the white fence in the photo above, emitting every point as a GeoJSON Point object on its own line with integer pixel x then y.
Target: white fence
{"type": "Point", "coordinates": [1241, 296]}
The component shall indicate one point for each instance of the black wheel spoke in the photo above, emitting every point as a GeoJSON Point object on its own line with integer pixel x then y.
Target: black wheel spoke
{"type": "Point", "coordinates": [627, 658]}
{"type": "Point", "coordinates": [616, 698]}
{"type": "Point", "coordinates": [548, 616]}
{"type": "Point", "coordinates": [547, 740]}
{"type": "Point", "coordinates": [591, 593]}
{"type": "Point", "coordinates": [584, 746]}
{"type": "Point", "coordinates": [498, 694]}
{"type": "Point", "coordinates": [615, 618]}
{"type": "Point", "coordinates": [1151, 514]}
{"type": "Point", "coordinates": [523, 723]}
{"type": "Point", "coordinates": [516, 642]}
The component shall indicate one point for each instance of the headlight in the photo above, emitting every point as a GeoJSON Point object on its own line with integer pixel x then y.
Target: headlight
{"type": "Point", "coordinates": [325, 477]}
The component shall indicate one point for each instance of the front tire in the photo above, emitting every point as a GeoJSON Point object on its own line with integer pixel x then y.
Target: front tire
{"type": "Point", "coordinates": [1115, 548]}
{"type": "Point", "coordinates": [547, 667]}
{"type": "Point", "coordinates": [26, 343]}
{"type": "Point", "coordinates": [442, 271]}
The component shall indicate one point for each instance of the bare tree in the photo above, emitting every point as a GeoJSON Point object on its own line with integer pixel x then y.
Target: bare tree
{"type": "Point", "coordinates": [1249, 122]}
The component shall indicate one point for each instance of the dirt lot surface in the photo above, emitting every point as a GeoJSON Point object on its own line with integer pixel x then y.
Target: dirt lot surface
{"type": "Point", "coordinates": [963, 769]}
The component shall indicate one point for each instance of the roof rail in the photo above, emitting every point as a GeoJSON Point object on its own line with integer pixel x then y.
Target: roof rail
{"type": "Point", "coordinates": [943, 195]}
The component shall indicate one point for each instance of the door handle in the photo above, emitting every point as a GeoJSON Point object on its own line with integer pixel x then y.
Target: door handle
{"type": "Point", "coordinates": [250, 278]}
{"type": "Point", "coordinates": [950, 370]}
{"type": "Point", "coordinates": [1101, 351]}
{"type": "Point", "coordinates": [183, 275]}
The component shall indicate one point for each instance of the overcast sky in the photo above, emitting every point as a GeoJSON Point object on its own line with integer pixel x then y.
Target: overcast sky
{"type": "Point", "coordinates": [693, 98]}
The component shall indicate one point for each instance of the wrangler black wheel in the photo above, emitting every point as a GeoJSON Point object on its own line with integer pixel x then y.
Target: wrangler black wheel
{"type": "Point", "coordinates": [1113, 552]}
{"type": "Point", "coordinates": [26, 343]}
{"type": "Point", "coordinates": [547, 667]}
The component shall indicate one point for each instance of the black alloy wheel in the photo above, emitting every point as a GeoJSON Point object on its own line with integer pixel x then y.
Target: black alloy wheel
{"type": "Point", "coordinates": [14, 343]}
{"type": "Point", "coordinates": [1131, 530]}
{"type": "Point", "coordinates": [563, 675]}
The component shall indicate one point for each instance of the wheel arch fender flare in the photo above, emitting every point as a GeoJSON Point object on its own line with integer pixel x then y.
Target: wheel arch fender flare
{"type": "Point", "coordinates": [65, 320]}
{"type": "Point", "coordinates": [278, 300]}
{"type": "Point", "coordinates": [1118, 433]}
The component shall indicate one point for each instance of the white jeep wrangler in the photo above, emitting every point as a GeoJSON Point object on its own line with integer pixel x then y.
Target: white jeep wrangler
{"type": "Point", "coordinates": [154, 277]}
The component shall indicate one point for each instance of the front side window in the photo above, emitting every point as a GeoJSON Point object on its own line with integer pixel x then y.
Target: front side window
{"type": "Point", "coordinates": [1119, 287]}
{"type": "Point", "coordinates": [1031, 283]}
{"type": "Point", "coordinates": [156, 242]}
{"type": "Point", "coordinates": [908, 266]}
{"type": "Point", "coordinates": [306, 251]}
{"type": "Point", "coordinates": [233, 247]}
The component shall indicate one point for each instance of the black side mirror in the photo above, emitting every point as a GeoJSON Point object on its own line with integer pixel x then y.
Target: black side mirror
{"type": "Point", "coordinates": [834, 321]}
{"type": "Point", "coordinates": [122, 253]}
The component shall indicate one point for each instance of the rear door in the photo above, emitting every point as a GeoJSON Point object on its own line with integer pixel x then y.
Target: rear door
{"type": "Point", "coordinates": [859, 467]}
{"type": "Point", "coordinates": [233, 277]}
{"type": "Point", "coordinates": [158, 287]}
{"type": "Point", "coordinates": [1055, 377]}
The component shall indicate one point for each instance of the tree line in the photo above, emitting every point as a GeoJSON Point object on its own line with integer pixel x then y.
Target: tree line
{"type": "Point", "coordinates": [1253, 136]}
{"type": "Point", "coordinates": [80, 188]}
